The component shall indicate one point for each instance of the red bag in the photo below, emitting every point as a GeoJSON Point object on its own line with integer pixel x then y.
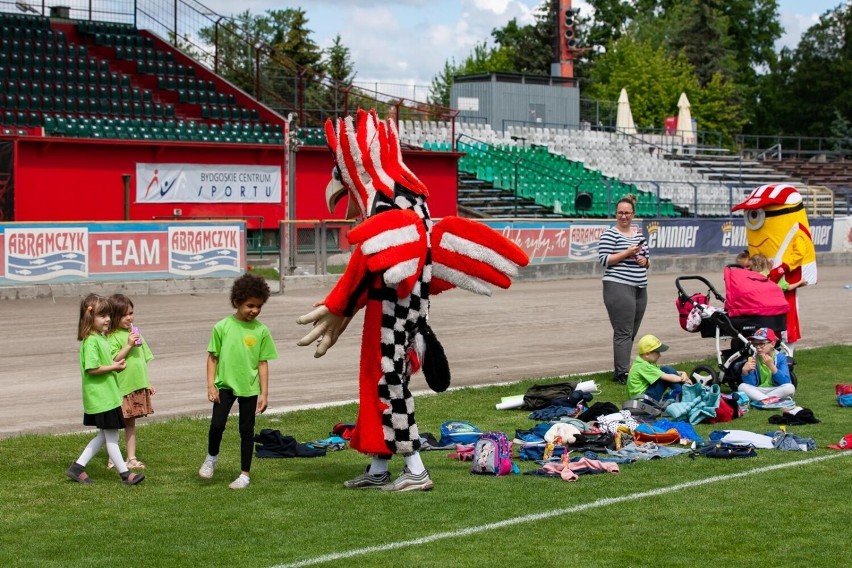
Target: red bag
{"type": "Point", "coordinates": [725, 412]}
{"type": "Point", "coordinates": [685, 306]}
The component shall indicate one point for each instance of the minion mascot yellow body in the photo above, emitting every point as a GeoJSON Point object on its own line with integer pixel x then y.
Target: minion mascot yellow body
{"type": "Point", "coordinates": [400, 261]}
{"type": "Point", "coordinates": [777, 227]}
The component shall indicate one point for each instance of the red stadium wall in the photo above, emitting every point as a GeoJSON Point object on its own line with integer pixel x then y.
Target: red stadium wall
{"type": "Point", "coordinates": [67, 179]}
{"type": "Point", "coordinates": [62, 179]}
{"type": "Point", "coordinates": [438, 170]}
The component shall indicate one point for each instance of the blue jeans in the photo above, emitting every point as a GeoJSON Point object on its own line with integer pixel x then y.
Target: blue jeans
{"type": "Point", "coordinates": [659, 388]}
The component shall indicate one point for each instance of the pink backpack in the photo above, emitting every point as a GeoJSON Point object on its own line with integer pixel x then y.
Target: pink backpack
{"type": "Point", "coordinates": [492, 455]}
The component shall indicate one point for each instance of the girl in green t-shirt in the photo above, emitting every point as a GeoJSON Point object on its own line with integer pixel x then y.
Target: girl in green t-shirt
{"type": "Point", "coordinates": [237, 371]}
{"type": "Point", "coordinates": [101, 400]}
{"type": "Point", "coordinates": [125, 342]}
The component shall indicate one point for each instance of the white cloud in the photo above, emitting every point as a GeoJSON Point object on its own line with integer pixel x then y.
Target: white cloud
{"type": "Point", "coordinates": [794, 26]}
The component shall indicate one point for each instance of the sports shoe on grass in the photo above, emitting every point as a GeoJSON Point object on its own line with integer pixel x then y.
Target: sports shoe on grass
{"type": "Point", "coordinates": [240, 483]}
{"type": "Point", "coordinates": [368, 481]}
{"type": "Point", "coordinates": [407, 481]}
{"type": "Point", "coordinates": [207, 469]}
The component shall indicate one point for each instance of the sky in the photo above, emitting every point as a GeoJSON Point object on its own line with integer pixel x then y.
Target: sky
{"type": "Point", "coordinates": [407, 42]}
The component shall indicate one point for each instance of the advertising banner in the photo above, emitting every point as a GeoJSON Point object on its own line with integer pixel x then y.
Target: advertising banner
{"type": "Point", "coordinates": [47, 253]}
{"type": "Point", "coordinates": [563, 241]}
{"type": "Point", "coordinates": [203, 183]}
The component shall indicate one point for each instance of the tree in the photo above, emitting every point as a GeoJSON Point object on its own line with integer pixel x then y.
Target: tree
{"type": "Point", "coordinates": [654, 92]}
{"type": "Point", "coordinates": [439, 91]}
{"type": "Point", "coordinates": [290, 37]}
{"type": "Point", "coordinates": [699, 31]}
{"type": "Point", "coordinates": [818, 79]}
{"type": "Point", "coordinates": [340, 73]}
{"type": "Point", "coordinates": [232, 52]}
{"type": "Point", "coordinates": [530, 48]}
{"type": "Point", "coordinates": [518, 49]}
{"type": "Point", "coordinates": [338, 62]}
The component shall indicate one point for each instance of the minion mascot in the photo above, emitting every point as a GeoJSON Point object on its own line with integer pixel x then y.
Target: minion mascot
{"type": "Point", "coordinates": [400, 257]}
{"type": "Point", "coordinates": [777, 227]}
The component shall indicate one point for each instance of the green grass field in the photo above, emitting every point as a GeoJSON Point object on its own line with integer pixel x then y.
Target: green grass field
{"type": "Point", "coordinates": [778, 509]}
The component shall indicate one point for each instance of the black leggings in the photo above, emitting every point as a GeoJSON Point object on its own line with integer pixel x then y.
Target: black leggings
{"type": "Point", "coordinates": [221, 409]}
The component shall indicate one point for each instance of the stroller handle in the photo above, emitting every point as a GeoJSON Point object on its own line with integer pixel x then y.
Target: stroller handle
{"type": "Point", "coordinates": [701, 279]}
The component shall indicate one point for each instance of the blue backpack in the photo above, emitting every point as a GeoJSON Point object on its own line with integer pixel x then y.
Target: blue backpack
{"type": "Point", "coordinates": [458, 432]}
{"type": "Point", "coordinates": [492, 455]}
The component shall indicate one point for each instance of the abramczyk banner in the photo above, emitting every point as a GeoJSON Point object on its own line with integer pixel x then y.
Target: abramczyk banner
{"type": "Point", "coordinates": [207, 183]}
{"type": "Point", "coordinates": [46, 253]}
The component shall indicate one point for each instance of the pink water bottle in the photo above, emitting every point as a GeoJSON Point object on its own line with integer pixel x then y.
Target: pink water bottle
{"type": "Point", "coordinates": [134, 329]}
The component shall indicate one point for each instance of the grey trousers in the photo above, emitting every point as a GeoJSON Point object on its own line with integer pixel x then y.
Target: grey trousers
{"type": "Point", "coordinates": [625, 305]}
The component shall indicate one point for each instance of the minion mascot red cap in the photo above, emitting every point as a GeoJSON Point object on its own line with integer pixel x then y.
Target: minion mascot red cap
{"type": "Point", "coordinates": [399, 258]}
{"type": "Point", "coordinates": [777, 227]}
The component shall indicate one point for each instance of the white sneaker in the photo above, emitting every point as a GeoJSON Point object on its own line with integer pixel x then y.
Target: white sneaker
{"type": "Point", "coordinates": [240, 483]}
{"type": "Point", "coordinates": [207, 468]}
{"type": "Point", "coordinates": [407, 481]}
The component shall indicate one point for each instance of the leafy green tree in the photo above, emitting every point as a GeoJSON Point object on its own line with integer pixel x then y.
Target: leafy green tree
{"type": "Point", "coordinates": [817, 78]}
{"type": "Point", "coordinates": [717, 109]}
{"type": "Point", "coordinates": [289, 36]}
{"type": "Point", "coordinates": [233, 56]}
{"type": "Point", "coordinates": [529, 48]}
{"type": "Point", "coordinates": [653, 79]}
{"type": "Point", "coordinates": [655, 91]}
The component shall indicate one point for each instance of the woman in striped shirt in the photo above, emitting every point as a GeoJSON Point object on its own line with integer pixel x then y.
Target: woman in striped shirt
{"type": "Point", "coordinates": [624, 255]}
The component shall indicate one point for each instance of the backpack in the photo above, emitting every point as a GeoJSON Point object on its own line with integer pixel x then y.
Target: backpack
{"type": "Point", "coordinates": [458, 432]}
{"type": "Point", "coordinates": [645, 407]}
{"type": "Point", "coordinates": [492, 455]}
{"type": "Point", "coordinates": [685, 305]}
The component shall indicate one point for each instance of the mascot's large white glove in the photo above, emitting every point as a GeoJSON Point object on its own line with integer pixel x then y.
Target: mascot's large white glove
{"type": "Point", "coordinates": [327, 329]}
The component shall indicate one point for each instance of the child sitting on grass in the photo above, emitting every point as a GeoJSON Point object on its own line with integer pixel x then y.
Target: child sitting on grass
{"type": "Point", "coordinates": [648, 378]}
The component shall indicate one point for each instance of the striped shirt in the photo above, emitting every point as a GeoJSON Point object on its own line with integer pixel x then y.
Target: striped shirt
{"type": "Point", "coordinates": [628, 270]}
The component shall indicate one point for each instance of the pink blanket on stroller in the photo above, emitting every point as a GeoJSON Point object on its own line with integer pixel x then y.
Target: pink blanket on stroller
{"type": "Point", "coordinates": [750, 293]}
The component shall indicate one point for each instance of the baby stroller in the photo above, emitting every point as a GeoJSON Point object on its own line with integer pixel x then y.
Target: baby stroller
{"type": "Point", "coordinates": [753, 301]}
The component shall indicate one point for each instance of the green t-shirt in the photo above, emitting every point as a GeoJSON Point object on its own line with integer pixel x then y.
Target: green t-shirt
{"type": "Point", "coordinates": [100, 392]}
{"type": "Point", "coordinates": [135, 375]}
{"type": "Point", "coordinates": [240, 346]}
{"type": "Point", "coordinates": [782, 282]}
{"type": "Point", "coordinates": [642, 375]}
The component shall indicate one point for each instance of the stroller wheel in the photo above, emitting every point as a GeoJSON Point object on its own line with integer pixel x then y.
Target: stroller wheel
{"type": "Point", "coordinates": [705, 375]}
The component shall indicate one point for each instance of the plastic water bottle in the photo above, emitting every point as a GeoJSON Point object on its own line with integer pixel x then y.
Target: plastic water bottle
{"type": "Point", "coordinates": [134, 329]}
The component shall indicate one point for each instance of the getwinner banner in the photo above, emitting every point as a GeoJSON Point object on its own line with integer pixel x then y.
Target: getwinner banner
{"type": "Point", "coordinates": [563, 241]}
{"type": "Point", "coordinates": [207, 183]}
{"type": "Point", "coordinates": [40, 253]}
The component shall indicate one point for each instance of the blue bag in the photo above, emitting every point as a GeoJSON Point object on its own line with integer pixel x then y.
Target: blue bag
{"type": "Point", "coordinates": [458, 432]}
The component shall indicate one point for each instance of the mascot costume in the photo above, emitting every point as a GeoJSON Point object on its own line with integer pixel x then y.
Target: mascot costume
{"type": "Point", "coordinates": [777, 227]}
{"type": "Point", "coordinates": [399, 260]}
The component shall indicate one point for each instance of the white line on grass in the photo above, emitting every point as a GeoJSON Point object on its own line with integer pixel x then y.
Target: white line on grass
{"type": "Point", "coordinates": [548, 514]}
